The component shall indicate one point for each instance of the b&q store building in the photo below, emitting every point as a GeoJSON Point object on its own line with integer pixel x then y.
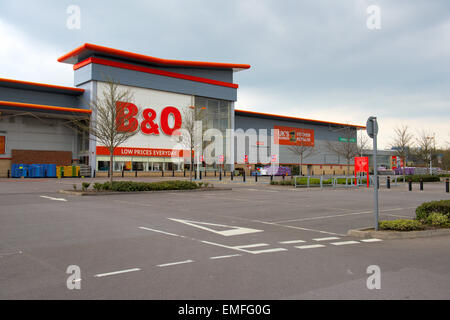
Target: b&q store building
{"type": "Point", "coordinates": [36, 120]}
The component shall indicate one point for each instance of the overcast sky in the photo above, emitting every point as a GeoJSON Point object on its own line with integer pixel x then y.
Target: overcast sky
{"type": "Point", "coordinates": [310, 58]}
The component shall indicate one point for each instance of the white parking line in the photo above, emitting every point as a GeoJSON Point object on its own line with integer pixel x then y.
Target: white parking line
{"type": "Point", "coordinates": [55, 199]}
{"type": "Point", "coordinates": [174, 263]}
{"type": "Point", "coordinates": [291, 241]}
{"type": "Point", "coordinates": [159, 231]}
{"type": "Point", "coordinates": [116, 272]}
{"type": "Point", "coordinates": [224, 257]}
{"type": "Point", "coordinates": [326, 239]}
{"type": "Point", "coordinates": [343, 243]}
{"type": "Point", "coordinates": [268, 250]}
{"type": "Point", "coordinates": [311, 246]}
{"type": "Point", "coordinates": [252, 245]}
{"type": "Point", "coordinates": [371, 240]}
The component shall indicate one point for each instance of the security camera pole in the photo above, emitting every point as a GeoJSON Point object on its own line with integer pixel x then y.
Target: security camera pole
{"type": "Point", "coordinates": [372, 131]}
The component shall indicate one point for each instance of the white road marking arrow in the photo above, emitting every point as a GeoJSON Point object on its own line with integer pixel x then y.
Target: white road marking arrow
{"type": "Point", "coordinates": [230, 231]}
{"type": "Point", "coordinates": [55, 199]}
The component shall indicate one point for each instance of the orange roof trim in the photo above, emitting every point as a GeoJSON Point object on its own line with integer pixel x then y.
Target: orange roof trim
{"type": "Point", "coordinates": [295, 118]}
{"type": "Point", "coordinates": [42, 107]}
{"type": "Point", "coordinates": [51, 86]}
{"type": "Point", "coordinates": [148, 59]}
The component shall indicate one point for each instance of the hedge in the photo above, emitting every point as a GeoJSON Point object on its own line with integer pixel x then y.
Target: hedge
{"type": "Point", "coordinates": [418, 177]}
{"type": "Point", "coordinates": [128, 186]}
{"type": "Point", "coordinates": [425, 209]}
{"type": "Point", "coordinates": [401, 225]}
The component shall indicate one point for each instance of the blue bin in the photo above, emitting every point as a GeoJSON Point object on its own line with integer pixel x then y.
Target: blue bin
{"type": "Point", "coordinates": [51, 170]}
{"type": "Point", "coordinates": [36, 171]}
{"type": "Point", "coordinates": [14, 170]}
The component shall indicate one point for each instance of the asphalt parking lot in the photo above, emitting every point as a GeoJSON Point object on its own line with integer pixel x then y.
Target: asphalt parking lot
{"type": "Point", "coordinates": [255, 241]}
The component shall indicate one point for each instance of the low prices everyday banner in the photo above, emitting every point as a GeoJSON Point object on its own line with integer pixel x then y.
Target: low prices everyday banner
{"type": "Point", "coordinates": [143, 152]}
{"type": "Point", "coordinates": [290, 136]}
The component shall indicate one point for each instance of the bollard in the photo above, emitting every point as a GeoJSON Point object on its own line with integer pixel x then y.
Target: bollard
{"type": "Point", "coordinates": [135, 174]}
{"type": "Point", "coordinates": [220, 175]}
{"type": "Point", "coordinates": [162, 172]}
{"type": "Point", "coordinates": [185, 173]}
{"type": "Point", "coordinates": [446, 185]}
{"type": "Point", "coordinates": [256, 177]}
{"type": "Point", "coordinates": [8, 173]}
{"type": "Point", "coordinates": [283, 177]}
{"type": "Point", "coordinates": [378, 182]}
{"type": "Point", "coordinates": [410, 185]}
{"type": "Point", "coordinates": [200, 175]}
{"type": "Point", "coordinates": [205, 172]}
{"type": "Point", "coordinates": [388, 182]}
{"type": "Point", "coordinates": [225, 173]}
{"type": "Point", "coordinates": [195, 174]}
{"type": "Point", "coordinates": [271, 178]}
{"type": "Point", "coordinates": [122, 173]}
{"type": "Point", "coordinates": [109, 173]}
{"type": "Point", "coordinates": [173, 172]}
{"type": "Point", "coordinates": [232, 175]}
{"type": "Point", "coordinates": [421, 184]}
{"type": "Point", "coordinates": [94, 173]}
{"type": "Point", "coordinates": [243, 176]}
{"type": "Point", "coordinates": [215, 173]}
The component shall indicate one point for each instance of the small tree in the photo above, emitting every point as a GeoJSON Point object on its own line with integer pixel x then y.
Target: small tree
{"type": "Point", "coordinates": [426, 149]}
{"type": "Point", "coordinates": [346, 147]}
{"type": "Point", "coordinates": [402, 143]}
{"type": "Point", "coordinates": [303, 151]}
{"type": "Point", "coordinates": [363, 142]}
{"type": "Point", "coordinates": [110, 116]}
{"type": "Point", "coordinates": [188, 130]}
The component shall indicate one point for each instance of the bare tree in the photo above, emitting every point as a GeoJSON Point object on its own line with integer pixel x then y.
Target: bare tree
{"type": "Point", "coordinates": [110, 124]}
{"type": "Point", "coordinates": [363, 142]}
{"type": "Point", "coordinates": [303, 151]}
{"type": "Point", "coordinates": [189, 131]}
{"type": "Point", "coordinates": [426, 148]}
{"type": "Point", "coordinates": [346, 147]}
{"type": "Point", "coordinates": [402, 143]}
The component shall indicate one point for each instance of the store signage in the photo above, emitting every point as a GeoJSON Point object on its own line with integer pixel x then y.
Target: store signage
{"type": "Point", "coordinates": [142, 152]}
{"type": "Point", "coordinates": [126, 119]}
{"type": "Point", "coordinates": [291, 136]}
{"type": "Point", "coordinates": [362, 165]}
{"type": "Point", "coordinates": [394, 162]}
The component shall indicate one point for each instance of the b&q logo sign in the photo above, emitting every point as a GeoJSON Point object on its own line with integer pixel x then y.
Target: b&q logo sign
{"type": "Point", "coordinates": [126, 119]}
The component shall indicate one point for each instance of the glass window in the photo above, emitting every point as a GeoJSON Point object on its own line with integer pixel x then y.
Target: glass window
{"type": "Point", "coordinates": [138, 166]}
{"type": "Point", "coordinates": [103, 166]}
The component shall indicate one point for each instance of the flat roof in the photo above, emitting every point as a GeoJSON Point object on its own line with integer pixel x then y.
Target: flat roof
{"type": "Point", "coordinates": [27, 85]}
{"type": "Point", "coordinates": [87, 50]}
{"type": "Point", "coordinates": [246, 113]}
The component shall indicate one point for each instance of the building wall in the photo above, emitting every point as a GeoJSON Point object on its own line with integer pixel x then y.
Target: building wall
{"type": "Point", "coordinates": [31, 133]}
{"type": "Point", "coordinates": [133, 78]}
{"type": "Point", "coordinates": [330, 162]}
{"type": "Point", "coordinates": [40, 97]}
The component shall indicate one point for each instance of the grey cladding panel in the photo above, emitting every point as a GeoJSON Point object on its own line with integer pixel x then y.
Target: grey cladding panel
{"type": "Point", "coordinates": [39, 97]}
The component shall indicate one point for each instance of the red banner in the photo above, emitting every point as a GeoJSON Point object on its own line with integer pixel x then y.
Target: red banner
{"type": "Point", "coordinates": [143, 152]}
{"type": "Point", "coordinates": [291, 136]}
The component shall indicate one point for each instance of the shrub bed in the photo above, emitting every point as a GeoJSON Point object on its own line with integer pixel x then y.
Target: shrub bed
{"type": "Point", "coordinates": [425, 209]}
{"type": "Point", "coordinates": [417, 177]}
{"type": "Point", "coordinates": [129, 186]}
{"type": "Point", "coordinates": [401, 225]}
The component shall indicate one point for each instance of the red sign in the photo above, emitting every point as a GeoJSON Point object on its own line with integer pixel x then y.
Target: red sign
{"type": "Point", "coordinates": [126, 119]}
{"type": "Point", "coordinates": [362, 165]}
{"type": "Point", "coordinates": [142, 152]}
{"type": "Point", "coordinates": [246, 158]}
{"type": "Point", "coordinates": [221, 159]}
{"type": "Point", "coordinates": [291, 136]}
{"type": "Point", "coordinates": [394, 162]}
